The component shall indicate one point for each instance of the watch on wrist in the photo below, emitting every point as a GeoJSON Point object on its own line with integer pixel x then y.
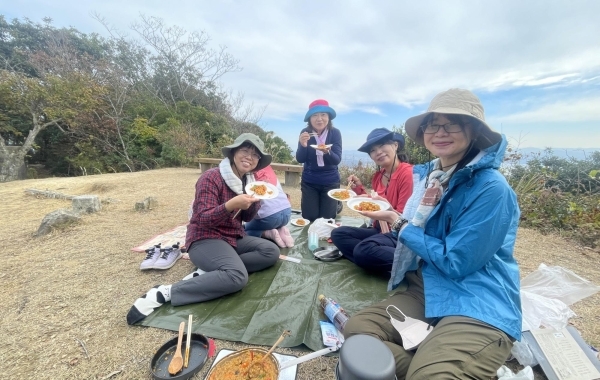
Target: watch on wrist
{"type": "Point", "coordinates": [399, 223]}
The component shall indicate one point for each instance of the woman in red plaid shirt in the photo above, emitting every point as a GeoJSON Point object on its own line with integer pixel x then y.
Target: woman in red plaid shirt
{"type": "Point", "coordinates": [217, 243]}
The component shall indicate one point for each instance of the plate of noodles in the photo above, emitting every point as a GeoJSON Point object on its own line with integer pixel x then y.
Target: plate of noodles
{"type": "Point", "coordinates": [367, 204]}
{"type": "Point", "coordinates": [321, 146]}
{"type": "Point", "coordinates": [341, 194]}
{"type": "Point", "coordinates": [262, 190]}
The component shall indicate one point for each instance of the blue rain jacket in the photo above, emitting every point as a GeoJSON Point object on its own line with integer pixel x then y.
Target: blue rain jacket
{"type": "Point", "coordinates": [467, 247]}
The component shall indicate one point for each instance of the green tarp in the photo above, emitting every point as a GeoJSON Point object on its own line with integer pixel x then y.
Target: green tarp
{"type": "Point", "coordinates": [279, 298]}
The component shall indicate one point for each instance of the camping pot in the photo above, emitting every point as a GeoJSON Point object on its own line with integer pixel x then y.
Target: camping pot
{"type": "Point", "coordinates": [364, 357]}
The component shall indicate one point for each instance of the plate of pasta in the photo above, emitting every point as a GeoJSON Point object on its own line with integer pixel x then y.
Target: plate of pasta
{"type": "Point", "coordinates": [367, 204]}
{"type": "Point", "coordinates": [341, 194]}
{"type": "Point", "coordinates": [262, 190]}
{"type": "Point", "coordinates": [321, 146]}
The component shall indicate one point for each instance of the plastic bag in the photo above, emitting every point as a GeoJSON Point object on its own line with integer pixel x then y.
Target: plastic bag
{"type": "Point", "coordinates": [558, 283]}
{"type": "Point", "coordinates": [523, 354]}
{"type": "Point", "coordinates": [546, 294]}
{"type": "Point", "coordinates": [504, 373]}
{"type": "Point", "coordinates": [322, 227]}
{"type": "Point", "coordinates": [543, 311]}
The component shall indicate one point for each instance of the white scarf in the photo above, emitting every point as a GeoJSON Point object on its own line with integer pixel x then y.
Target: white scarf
{"type": "Point", "coordinates": [232, 181]}
{"type": "Point", "coordinates": [321, 140]}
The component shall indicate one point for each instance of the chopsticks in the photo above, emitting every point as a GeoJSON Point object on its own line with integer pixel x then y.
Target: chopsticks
{"type": "Point", "coordinates": [188, 342]}
{"type": "Point", "coordinates": [238, 211]}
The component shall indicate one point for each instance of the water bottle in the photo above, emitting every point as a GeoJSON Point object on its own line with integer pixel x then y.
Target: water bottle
{"type": "Point", "coordinates": [334, 312]}
{"type": "Point", "coordinates": [313, 241]}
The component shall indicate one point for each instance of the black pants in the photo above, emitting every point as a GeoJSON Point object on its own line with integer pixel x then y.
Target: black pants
{"type": "Point", "coordinates": [316, 203]}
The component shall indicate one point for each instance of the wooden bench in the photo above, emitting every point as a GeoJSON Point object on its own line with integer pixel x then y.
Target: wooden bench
{"type": "Point", "coordinates": [292, 172]}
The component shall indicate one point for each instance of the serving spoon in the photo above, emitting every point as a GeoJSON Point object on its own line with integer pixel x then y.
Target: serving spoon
{"type": "Point", "coordinates": [177, 360]}
{"type": "Point", "coordinates": [281, 338]}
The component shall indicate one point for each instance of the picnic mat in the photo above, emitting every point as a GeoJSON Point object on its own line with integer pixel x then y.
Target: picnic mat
{"type": "Point", "coordinates": [279, 298]}
{"type": "Point", "coordinates": [173, 236]}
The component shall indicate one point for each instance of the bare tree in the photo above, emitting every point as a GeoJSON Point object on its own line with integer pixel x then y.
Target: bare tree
{"type": "Point", "coordinates": [183, 66]}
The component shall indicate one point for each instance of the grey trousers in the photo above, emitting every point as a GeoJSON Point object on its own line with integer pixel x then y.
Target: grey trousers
{"type": "Point", "coordinates": [457, 348]}
{"type": "Point", "coordinates": [227, 268]}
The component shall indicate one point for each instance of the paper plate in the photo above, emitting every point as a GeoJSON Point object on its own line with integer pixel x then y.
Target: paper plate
{"type": "Point", "coordinates": [315, 146]}
{"type": "Point", "coordinates": [272, 191]}
{"type": "Point", "coordinates": [331, 192]}
{"type": "Point", "coordinates": [295, 222]}
{"type": "Point", "coordinates": [355, 201]}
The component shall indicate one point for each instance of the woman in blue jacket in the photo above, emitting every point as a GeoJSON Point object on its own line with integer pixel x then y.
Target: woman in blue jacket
{"type": "Point", "coordinates": [455, 252]}
{"type": "Point", "coordinates": [320, 150]}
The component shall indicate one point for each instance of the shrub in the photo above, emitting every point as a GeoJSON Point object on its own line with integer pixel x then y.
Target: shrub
{"type": "Point", "coordinates": [363, 172]}
{"type": "Point", "coordinates": [558, 195]}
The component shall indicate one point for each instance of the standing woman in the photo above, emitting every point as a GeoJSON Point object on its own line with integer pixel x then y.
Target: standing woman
{"type": "Point", "coordinates": [369, 248]}
{"type": "Point", "coordinates": [455, 253]}
{"type": "Point", "coordinates": [217, 242]}
{"type": "Point", "coordinates": [320, 173]}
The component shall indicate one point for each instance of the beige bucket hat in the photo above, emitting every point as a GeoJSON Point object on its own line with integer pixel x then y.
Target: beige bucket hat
{"type": "Point", "coordinates": [455, 101]}
{"type": "Point", "coordinates": [265, 158]}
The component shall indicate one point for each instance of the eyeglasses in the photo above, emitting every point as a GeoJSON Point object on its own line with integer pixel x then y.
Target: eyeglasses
{"type": "Point", "coordinates": [249, 153]}
{"type": "Point", "coordinates": [434, 128]}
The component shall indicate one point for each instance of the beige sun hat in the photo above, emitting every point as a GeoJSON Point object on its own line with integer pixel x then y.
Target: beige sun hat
{"type": "Point", "coordinates": [455, 101]}
{"type": "Point", "coordinates": [265, 158]}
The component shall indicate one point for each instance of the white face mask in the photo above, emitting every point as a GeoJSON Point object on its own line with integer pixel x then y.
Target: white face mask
{"type": "Point", "coordinates": [412, 331]}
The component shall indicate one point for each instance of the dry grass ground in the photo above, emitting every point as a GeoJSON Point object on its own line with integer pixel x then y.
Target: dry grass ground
{"type": "Point", "coordinates": [65, 295]}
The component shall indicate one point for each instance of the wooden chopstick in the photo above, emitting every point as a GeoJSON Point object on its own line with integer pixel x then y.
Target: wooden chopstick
{"type": "Point", "coordinates": [238, 211]}
{"type": "Point", "coordinates": [188, 342]}
{"type": "Point", "coordinates": [385, 228]}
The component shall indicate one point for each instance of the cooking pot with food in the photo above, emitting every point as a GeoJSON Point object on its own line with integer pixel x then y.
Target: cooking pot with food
{"type": "Point", "coordinates": [246, 365]}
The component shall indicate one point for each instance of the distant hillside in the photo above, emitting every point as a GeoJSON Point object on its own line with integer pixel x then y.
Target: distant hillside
{"type": "Point", "coordinates": [351, 157]}
{"type": "Point", "coordinates": [578, 154]}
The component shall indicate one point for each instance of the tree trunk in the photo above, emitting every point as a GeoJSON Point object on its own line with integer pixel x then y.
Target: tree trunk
{"type": "Point", "coordinates": [12, 163]}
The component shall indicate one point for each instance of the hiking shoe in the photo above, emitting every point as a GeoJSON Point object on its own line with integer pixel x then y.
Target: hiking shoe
{"type": "Point", "coordinates": [286, 236]}
{"type": "Point", "coordinates": [152, 254]}
{"type": "Point", "coordinates": [168, 257]}
{"type": "Point", "coordinates": [274, 236]}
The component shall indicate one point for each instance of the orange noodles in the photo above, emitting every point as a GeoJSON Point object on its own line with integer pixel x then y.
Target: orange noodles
{"type": "Point", "coordinates": [322, 146]}
{"type": "Point", "coordinates": [240, 366]}
{"type": "Point", "coordinates": [341, 195]}
{"type": "Point", "coordinates": [259, 189]}
{"type": "Point", "coordinates": [367, 206]}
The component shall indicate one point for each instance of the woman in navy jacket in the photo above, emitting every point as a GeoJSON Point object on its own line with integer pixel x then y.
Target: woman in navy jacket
{"type": "Point", "coordinates": [320, 150]}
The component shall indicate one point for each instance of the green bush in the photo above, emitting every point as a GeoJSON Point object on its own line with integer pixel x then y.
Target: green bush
{"type": "Point", "coordinates": [363, 172]}
{"type": "Point", "coordinates": [558, 194]}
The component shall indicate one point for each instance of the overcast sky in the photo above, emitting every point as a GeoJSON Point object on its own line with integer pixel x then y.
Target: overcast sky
{"type": "Point", "coordinates": [534, 64]}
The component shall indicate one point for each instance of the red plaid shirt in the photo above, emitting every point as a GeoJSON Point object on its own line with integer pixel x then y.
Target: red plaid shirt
{"type": "Point", "coordinates": [210, 219]}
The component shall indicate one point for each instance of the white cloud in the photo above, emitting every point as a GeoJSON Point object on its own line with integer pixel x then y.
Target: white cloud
{"type": "Point", "coordinates": [577, 110]}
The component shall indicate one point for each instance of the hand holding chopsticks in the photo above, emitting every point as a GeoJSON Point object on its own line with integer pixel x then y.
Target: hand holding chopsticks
{"type": "Point", "coordinates": [244, 201]}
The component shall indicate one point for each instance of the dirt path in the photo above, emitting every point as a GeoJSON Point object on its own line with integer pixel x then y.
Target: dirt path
{"type": "Point", "coordinates": [65, 295]}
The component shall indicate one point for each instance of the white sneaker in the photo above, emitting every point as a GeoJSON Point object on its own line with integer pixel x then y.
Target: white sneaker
{"type": "Point", "coordinates": [152, 254]}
